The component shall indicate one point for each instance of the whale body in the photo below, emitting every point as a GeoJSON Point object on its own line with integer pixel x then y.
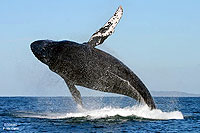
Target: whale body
{"type": "Point", "coordinates": [84, 65]}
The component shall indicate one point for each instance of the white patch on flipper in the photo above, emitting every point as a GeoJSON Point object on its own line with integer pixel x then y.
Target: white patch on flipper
{"type": "Point", "coordinates": [99, 36]}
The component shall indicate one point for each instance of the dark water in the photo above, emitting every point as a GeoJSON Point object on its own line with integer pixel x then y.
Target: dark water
{"type": "Point", "coordinates": [108, 114]}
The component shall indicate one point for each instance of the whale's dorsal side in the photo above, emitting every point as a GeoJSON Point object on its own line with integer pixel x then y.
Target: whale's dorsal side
{"type": "Point", "coordinates": [102, 34]}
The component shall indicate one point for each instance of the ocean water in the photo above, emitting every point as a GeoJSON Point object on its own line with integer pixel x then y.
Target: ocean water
{"type": "Point", "coordinates": [100, 114]}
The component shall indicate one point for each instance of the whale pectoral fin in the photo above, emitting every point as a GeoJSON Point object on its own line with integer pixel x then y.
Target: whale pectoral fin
{"type": "Point", "coordinates": [102, 34]}
{"type": "Point", "coordinates": [75, 93]}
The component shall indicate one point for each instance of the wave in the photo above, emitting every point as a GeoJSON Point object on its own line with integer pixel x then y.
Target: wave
{"type": "Point", "coordinates": [136, 112]}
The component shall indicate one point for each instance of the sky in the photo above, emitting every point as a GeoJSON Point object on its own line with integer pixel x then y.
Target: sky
{"type": "Point", "coordinates": [158, 40]}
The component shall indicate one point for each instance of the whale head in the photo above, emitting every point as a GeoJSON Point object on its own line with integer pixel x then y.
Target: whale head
{"type": "Point", "coordinates": [47, 51]}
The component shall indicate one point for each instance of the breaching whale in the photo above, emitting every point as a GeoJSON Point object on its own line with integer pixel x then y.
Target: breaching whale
{"type": "Point", "coordinates": [84, 65]}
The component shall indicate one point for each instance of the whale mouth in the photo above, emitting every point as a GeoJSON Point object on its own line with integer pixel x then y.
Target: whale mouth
{"type": "Point", "coordinates": [40, 51]}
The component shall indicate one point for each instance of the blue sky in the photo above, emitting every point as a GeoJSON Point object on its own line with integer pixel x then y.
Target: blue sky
{"type": "Point", "coordinates": [158, 40]}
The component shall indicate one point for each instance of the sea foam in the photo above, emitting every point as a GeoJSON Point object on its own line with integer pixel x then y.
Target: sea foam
{"type": "Point", "coordinates": [142, 111]}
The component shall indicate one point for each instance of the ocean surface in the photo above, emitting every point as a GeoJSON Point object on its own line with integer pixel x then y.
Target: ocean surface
{"type": "Point", "coordinates": [100, 114]}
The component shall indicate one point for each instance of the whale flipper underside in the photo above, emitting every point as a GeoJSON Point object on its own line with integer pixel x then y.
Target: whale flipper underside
{"type": "Point", "coordinates": [74, 92]}
{"type": "Point", "coordinates": [102, 34]}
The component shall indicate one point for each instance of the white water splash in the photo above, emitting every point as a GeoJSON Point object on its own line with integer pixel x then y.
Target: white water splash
{"type": "Point", "coordinates": [138, 111]}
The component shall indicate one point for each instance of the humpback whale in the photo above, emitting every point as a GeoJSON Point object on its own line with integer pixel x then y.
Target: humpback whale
{"type": "Point", "coordinates": [84, 65]}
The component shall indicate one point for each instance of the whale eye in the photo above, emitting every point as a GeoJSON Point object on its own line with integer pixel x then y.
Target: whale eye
{"type": "Point", "coordinates": [43, 49]}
